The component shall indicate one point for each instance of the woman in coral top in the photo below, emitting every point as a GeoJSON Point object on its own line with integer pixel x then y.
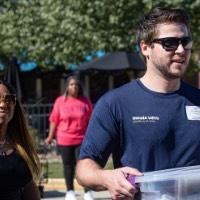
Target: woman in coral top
{"type": "Point", "coordinates": [68, 122]}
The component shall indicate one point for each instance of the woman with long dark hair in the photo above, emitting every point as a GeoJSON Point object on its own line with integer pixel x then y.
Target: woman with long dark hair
{"type": "Point", "coordinates": [19, 163]}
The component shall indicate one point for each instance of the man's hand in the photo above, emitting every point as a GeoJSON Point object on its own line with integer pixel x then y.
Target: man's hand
{"type": "Point", "coordinates": [90, 174]}
{"type": "Point", "coordinates": [118, 185]}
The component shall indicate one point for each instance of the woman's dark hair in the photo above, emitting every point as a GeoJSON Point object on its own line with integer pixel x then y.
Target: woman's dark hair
{"type": "Point", "coordinates": [80, 91]}
{"type": "Point", "coordinates": [147, 27]}
{"type": "Point", "coordinates": [19, 136]}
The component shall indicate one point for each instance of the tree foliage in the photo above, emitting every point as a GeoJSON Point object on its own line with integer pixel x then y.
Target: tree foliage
{"type": "Point", "coordinates": [65, 31]}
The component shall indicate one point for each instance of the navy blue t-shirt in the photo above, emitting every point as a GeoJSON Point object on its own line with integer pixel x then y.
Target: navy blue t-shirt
{"type": "Point", "coordinates": [144, 129]}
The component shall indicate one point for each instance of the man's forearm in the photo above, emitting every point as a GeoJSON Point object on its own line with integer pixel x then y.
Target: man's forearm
{"type": "Point", "coordinates": [89, 174]}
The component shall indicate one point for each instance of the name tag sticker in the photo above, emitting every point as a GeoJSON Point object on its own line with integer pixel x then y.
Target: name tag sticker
{"type": "Point", "coordinates": [193, 112]}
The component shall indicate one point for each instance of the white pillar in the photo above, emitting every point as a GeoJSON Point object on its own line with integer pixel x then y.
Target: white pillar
{"type": "Point", "coordinates": [38, 88]}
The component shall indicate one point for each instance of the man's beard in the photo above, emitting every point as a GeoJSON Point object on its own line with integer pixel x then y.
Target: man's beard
{"type": "Point", "coordinates": [169, 75]}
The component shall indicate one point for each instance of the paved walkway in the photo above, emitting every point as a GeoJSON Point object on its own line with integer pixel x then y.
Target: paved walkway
{"type": "Point", "coordinates": [55, 190]}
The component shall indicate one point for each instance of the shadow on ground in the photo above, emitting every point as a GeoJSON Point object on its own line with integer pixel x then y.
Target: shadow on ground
{"type": "Point", "coordinates": [53, 193]}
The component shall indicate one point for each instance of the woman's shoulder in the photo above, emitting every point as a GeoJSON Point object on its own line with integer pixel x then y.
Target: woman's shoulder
{"type": "Point", "coordinates": [60, 99]}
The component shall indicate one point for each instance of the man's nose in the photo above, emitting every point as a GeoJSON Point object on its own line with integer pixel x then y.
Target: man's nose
{"type": "Point", "coordinates": [180, 48]}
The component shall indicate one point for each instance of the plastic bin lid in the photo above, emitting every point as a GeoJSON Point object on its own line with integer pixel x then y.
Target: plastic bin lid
{"type": "Point", "coordinates": [168, 174]}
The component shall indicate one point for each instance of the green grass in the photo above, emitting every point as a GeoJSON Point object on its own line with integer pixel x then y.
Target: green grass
{"type": "Point", "coordinates": [55, 169]}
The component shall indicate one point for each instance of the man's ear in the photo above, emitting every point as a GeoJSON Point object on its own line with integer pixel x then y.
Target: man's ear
{"type": "Point", "coordinates": [144, 48]}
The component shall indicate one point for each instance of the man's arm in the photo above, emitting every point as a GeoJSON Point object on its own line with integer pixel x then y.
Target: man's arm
{"type": "Point", "coordinates": [90, 174]}
{"type": "Point", "coordinates": [89, 179]}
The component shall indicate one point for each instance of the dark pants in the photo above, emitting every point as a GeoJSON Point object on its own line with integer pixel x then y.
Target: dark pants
{"type": "Point", "coordinates": [69, 155]}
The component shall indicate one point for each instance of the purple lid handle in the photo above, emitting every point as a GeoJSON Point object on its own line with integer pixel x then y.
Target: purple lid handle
{"type": "Point", "coordinates": [131, 179]}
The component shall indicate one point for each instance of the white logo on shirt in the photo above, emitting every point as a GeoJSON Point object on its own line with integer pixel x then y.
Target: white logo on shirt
{"type": "Point", "coordinates": [137, 119]}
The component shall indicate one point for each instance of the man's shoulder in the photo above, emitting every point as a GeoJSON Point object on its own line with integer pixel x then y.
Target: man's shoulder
{"type": "Point", "coordinates": [130, 85]}
{"type": "Point", "coordinates": [190, 89]}
{"type": "Point", "coordinates": [122, 90]}
{"type": "Point", "coordinates": [119, 95]}
{"type": "Point", "coordinates": [191, 93]}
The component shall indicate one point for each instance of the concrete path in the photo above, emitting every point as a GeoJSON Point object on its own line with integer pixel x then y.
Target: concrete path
{"type": "Point", "coordinates": [55, 190]}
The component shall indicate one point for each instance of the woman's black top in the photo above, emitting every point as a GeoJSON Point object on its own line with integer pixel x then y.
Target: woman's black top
{"type": "Point", "coordinates": [14, 175]}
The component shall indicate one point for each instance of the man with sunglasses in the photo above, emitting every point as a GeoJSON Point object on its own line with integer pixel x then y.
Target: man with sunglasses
{"type": "Point", "coordinates": [151, 123]}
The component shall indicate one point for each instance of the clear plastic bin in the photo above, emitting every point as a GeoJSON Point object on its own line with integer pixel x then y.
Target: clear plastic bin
{"type": "Point", "coordinates": [171, 184]}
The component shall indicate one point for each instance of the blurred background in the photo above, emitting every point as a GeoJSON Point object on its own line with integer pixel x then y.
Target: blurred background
{"type": "Point", "coordinates": [42, 42]}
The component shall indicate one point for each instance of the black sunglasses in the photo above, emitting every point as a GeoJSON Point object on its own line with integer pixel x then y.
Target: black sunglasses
{"type": "Point", "coordinates": [172, 43]}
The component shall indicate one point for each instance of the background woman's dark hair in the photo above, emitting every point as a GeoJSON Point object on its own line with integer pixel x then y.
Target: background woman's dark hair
{"type": "Point", "coordinates": [73, 77]}
{"type": "Point", "coordinates": [147, 27]}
